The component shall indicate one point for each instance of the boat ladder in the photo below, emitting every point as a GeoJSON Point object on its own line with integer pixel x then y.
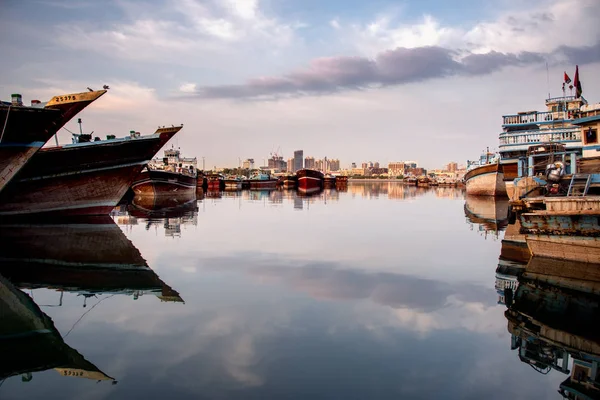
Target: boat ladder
{"type": "Point", "coordinates": [580, 184]}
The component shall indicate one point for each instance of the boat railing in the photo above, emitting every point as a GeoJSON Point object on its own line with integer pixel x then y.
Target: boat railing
{"type": "Point", "coordinates": [532, 118]}
{"type": "Point", "coordinates": [540, 136]}
{"type": "Point", "coordinates": [560, 99]}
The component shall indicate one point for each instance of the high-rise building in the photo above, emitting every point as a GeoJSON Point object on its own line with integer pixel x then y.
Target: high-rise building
{"type": "Point", "coordinates": [334, 165]}
{"type": "Point", "coordinates": [353, 165]}
{"type": "Point", "coordinates": [370, 164]}
{"type": "Point", "coordinates": [277, 163]}
{"type": "Point", "coordinates": [298, 160]}
{"type": "Point", "coordinates": [319, 165]}
{"type": "Point", "coordinates": [364, 165]}
{"type": "Point", "coordinates": [452, 167]}
{"type": "Point", "coordinates": [290, 165]}
{"type": "Point", "coordinates": [376, 165]}
{"type": "Point", "coordinates": [309, 162]}
{"type": "Point", "coordinates": [248, 163]}
{"type": "Point", "coordinates": [410, 164]}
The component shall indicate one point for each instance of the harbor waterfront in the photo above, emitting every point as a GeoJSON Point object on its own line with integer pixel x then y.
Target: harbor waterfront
{"type": "Point", "coordinates": [370, 291]}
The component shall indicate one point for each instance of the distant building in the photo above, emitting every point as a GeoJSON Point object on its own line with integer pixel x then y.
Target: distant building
{"type": "Point", "coordinates": [298, 160]}
{"type": "Point", "coordinates": [309, 162]}
{"type": "Point", "coordinates": [334, 165]}
{"type": "Point", "coordinates": [248, 163]}
{"type": "Point", "coordinates": [416, 171]}
{"type": "Point", "coordinates": [319, 165]}
{"type": "Point", "coordinates": [364, 165]}
{"type": "Point", "coordinates": [277, 163]}
{"type": "Point", "coordinates": [353, 165]}
{"type": "Point", "coordinates": [452, 167]}
{"type": "Point", "coordinates": [376, 165]}
{"type": "Point", "coordinates": [290, 165]}
{"type": "Point", "coordinates": [410, 164]}
{"type": "Point", "coordinates": [396, 168]}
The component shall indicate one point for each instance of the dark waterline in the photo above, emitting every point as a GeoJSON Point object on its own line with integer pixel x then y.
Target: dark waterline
{"type": "Point", "coordinates": [380, 291]}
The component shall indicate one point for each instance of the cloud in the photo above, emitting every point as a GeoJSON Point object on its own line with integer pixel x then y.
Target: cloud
{"type": "Point", "coordinates": [392, 67]}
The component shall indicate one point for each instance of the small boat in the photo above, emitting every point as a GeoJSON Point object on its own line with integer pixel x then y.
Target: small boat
{"type": "Point", "coordinates": [262, 181]}
{"type": "Point", "coordinates": [410, 180]}
{"type": "Point", "coordinates": [233, 183]}
{"type": "Point", "coordinates": [309, 180]}
{"type": "Point", "coordinates": [484, 177]}
{"type": "Point", "coordinates": [423, 181]}
{"type": "Point", "coordinates": [289, 181]}
{"type": "Point", "coordinates": [174, 176]}
{"type": "Point", "coordinates": [329, 181]}
{"type": "Point", "coordinates": [215, 182]}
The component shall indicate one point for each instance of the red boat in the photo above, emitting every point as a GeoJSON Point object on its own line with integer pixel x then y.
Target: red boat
{"type": "Point", "coordinates": [215, 182]}
{"type": "Point", "coordinates": [25, 129]}
{"type": "Point", "coordinates": [83, 178]}
{"type": "Point", "coordinates": [309, 180]}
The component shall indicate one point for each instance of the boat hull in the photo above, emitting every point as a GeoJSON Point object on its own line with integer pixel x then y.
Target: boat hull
{"type": "Point", "coordinates": [231, 184]}
{"type": "Point", "coordinates": [571, 248]}
{"type": "Point", "coordinates": [309, 180]}
{"type": "Point", "coordinates": [561, 223]}
{"type": "Point", "coordinates": [263, 184]}
{"type": "Point", "coordinates": [86, 179]}
{"type": "Point", "coordinates": [486, 180]}
{"type": "Point", "coordinates": [164, 183]}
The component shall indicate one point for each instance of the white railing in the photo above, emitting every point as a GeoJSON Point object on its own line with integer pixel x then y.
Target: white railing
{"type": "Point", "coordinates": [540, 136]}
{"type": "Point", "coordinates": [532, 118]}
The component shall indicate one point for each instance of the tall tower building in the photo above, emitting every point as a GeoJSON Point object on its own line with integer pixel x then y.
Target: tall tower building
{"type": "Point", "coordinates": [290, 165]}
{"type": "Point", "coordinates": [298, 160]}
{"type": "Point", "coordinates": [309, 162]}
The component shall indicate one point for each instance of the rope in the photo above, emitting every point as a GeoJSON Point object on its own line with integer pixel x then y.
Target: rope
{"type": "Point", "coordinates": [83, 315]}
{"type": "Point", "coordinates": [5, 122]}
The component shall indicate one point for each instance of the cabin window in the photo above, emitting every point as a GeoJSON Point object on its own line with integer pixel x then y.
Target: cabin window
{"type": "Point", "coordinates": [591, 136]}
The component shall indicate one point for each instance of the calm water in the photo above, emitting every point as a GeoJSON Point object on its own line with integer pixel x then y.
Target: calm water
{"type": "Point", "coordinates": [381, 291]}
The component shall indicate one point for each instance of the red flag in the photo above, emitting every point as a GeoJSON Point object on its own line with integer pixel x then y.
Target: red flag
{"type": "Point", "coordinates": [578, 89]}
{"type": "Point", "coordinates": [567, 79]}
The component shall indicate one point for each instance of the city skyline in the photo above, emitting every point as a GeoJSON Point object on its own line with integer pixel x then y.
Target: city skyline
{"type": "Point", "coordinates": [360, 80]}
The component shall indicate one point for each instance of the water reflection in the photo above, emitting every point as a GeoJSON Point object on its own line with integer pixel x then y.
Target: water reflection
{"type": "Point", "coordinates": [489, 214]}
{"type": "Point", "coordinates": [29, 341]}
{"type": "Point", "coordinates": [553, 309]}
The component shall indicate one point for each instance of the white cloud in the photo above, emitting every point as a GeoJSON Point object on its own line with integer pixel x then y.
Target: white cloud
{"type": "Point", "coordinates": [535, 28]}
{"type": "Point", "coordinates": [188, 88]}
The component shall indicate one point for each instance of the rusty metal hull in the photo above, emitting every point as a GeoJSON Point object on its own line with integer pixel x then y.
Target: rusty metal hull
{"type": "Point", "coordinates": [559, 223]}
{"type": "Point", "coordinates": [82, 179]}
{"type": "Point", "coordinates": [164, 183]}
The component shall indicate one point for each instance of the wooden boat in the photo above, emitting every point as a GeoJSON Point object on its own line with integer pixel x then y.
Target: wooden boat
{"type": "Point", "coordinates": [262, 181]}
{"type": "Point", "coordinates": [423, 181]}
{"type": "Point", "coordinates": [25, 129]}
{"type": "Point", "coordinates": [233, 183]}
{"type": "Point", "coordinates": [30, 342]}
{"type": "Point", "coordinates": [309, 180]}
{"type": "Point", "coordinates": [410, 180]}
{"type": "Point", "coordinates": [289, 181]}
{"type": "Point", "coordinates": [158, 182]}
{"type": "Point", "coordinates": [162, 207]}
{"type": "Point", "coordinates": [214, 182]}
{"type": "Point", "coordinates": [329, 181]}
{"type": "Point", "coordinates": [83, 178]}
{"type": "Point", "coordinates": [485, 177]}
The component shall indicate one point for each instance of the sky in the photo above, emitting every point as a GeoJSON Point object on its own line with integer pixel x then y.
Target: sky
{"type": "Point", "coordinates": [356, 80]}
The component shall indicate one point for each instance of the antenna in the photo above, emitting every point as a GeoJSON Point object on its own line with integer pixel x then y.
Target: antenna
{"type": "Point", "coordinates": [547, 79]}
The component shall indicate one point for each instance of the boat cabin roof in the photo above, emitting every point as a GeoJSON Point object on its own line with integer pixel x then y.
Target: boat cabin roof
{"type": "Point", "coordinates": [546, 148]}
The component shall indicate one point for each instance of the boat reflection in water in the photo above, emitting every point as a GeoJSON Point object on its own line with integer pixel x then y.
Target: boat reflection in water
{"type": "Point", "coordinates": [30, 343]}
{"type": "Point", "coordinates": [489, 213]}
{"type": "Point", "coordinates": [552, 318]}
{"type": "Point", "coordinates": [171, 212]}
{"type": "Point", "coordinates": [89, 257]}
